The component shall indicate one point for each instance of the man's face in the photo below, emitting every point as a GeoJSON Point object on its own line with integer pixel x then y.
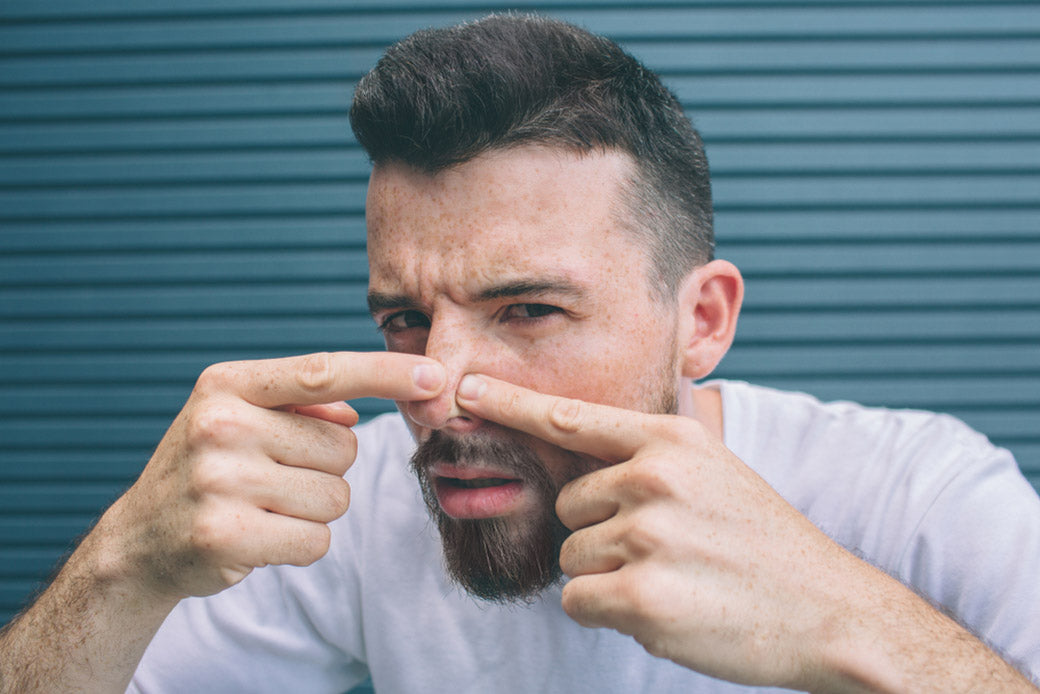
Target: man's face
{"type": "Point", "coordinates": [514, 265]}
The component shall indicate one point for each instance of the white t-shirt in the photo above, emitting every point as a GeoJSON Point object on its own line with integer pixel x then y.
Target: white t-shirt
{"type": "Point", "coordinates": [920, 495]}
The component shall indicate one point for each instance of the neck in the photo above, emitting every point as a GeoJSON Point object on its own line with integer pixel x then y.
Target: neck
{"type": "Point", "coordinates": [703, 403]}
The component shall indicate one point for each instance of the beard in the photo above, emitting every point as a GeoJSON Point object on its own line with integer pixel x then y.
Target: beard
{"type": "Point", "coordinates": [498, 559]}
{"type": "Point", "coordinates": [508, 559]}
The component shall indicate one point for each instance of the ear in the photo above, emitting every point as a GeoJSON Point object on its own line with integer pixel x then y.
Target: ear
{"type": "Point", "coordinates": [709, 303]}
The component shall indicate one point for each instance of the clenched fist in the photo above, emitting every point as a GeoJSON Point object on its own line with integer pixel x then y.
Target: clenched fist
{"type": "Point", "coordinates": [679, 544]}
{"type": "Point", "coordinates": [251, 471]}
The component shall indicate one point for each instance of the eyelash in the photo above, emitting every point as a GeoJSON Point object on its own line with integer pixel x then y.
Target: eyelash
{"type": "Point", "coordinates": [540, 311]}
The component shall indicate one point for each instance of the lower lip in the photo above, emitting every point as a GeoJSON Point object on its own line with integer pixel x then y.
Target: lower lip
{"type": "Point", "coordinates": [482, 502]}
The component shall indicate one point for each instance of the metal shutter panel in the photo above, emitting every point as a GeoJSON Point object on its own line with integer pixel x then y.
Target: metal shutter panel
{"type": "Point", "coordinates": [179, 185]}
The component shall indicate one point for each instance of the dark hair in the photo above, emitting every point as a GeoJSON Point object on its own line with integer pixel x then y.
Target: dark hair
{"type": "Point", "coordinates": [443, 96]}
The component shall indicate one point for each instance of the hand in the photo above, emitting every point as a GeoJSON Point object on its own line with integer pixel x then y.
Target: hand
{"type": "Point", "coordinates": [251, 471]}
{"type": "Point", "coordinates": [679, 544]}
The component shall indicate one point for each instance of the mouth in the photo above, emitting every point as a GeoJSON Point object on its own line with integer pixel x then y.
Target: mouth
{"type": "Point", "coordinates": [482, 483]}
{"type": "Point", "coordinates": [473, 494]}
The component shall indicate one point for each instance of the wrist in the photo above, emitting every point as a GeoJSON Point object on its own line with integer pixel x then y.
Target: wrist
{"type": "Point", "coordinates": [96, 619]}
{"type": "Point", "coordinates": [889, 639]}
{"type": "Point", "coordinates": [855, 641]}
{"type": "Point", "coordinates": [117, 559]}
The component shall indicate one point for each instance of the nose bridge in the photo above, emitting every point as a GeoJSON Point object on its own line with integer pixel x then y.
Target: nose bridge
{"type": "Point", "coordinates": [454, 343]}
{"type": "Point", "coordinates": [451, 342]}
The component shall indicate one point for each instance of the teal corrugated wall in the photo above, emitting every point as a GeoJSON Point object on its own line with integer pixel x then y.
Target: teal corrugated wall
{"type": "Point", "coordinates": [179, 185]}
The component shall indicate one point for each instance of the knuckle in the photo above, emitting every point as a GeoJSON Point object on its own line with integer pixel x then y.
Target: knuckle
{"type": "Point", "coordinates": [573, 601]}
{"type": "Point", "coordinates": [213, 476]}
{"type": "Point", "coordinates": [211, 532]}
{"type": "Point", "coordinates": [314, 374]}
{"type": "Point", "coordinates": [567, 414]}
{"type": "Point", "coordinates": [651, 475]}
{"type": "Point", "coordinates": [338, 492]}
{"type": "Point", "coordinates": [646, 535]}
{"type": "Point", "coordinates": [215, 378]}
{"type": "Point", "coordinates": [568, 556]}
{"type": "Point", "coordinates": [348, 445]}
{"type": "Point", "coordinates": [313, 543]}
{"type": "Point", "coordinates": [343, 442]}
{"type": "Point", "coordinates": [563, 506]}
{"type": "Point", "coordinates": [214, 426]}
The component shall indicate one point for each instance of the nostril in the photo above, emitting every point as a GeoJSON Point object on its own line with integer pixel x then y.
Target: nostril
{"type": "Point", "coordinates": [462, 424]}
{"type": "Point", "coordinates": [431, 415]}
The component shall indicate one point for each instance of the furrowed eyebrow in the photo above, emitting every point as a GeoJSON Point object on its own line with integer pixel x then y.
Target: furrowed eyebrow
{"type": "Point", "coordinates": [378, 301]}
{"type": "Point", "coordinates": [530, 288]}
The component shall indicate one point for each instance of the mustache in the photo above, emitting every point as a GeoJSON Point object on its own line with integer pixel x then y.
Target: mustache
{"type": "Point", "coordinates": [477, 450]}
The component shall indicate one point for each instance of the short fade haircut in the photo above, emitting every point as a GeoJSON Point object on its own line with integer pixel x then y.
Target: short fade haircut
{"type": "Point", "coordinates": [442, 97]}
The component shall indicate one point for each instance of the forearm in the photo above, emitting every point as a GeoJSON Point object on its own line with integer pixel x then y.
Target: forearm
{"type": "Point", "coordinates": [249, 474]}
{"type": "Point", "coordinates": [86, 632]}
{"type": "Point", "coordinates": [894, 641]}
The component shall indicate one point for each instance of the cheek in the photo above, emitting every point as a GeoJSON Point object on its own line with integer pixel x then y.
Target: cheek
{"type": "Point", "coordinates": [564, 466]}
{"type": "Point", "coordinates": [605, 369]}
{"type": "Point", "coordinates": [559, 367]}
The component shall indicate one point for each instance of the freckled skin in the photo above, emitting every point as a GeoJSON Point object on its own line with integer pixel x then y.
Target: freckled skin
{"type": "Point", "coordinates": [527, 213]}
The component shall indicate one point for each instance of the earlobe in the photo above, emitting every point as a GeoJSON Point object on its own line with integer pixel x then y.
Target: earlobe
{"type": "Point", "coordinates": [709, 304]}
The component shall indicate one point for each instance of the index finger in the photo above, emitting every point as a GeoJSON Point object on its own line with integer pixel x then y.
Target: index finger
{"type": "Point", "coordinates": [315, 379]}
{"type": "Point", "coordinates": [608, 433]}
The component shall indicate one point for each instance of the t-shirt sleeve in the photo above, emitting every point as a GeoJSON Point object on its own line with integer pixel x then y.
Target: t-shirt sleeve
{"type": "Point", "coordinates": [976, 551]}
{"type": "Point", "coordinates": [283, 628]}
{"type": "Point", "coordinates": [261, 635]}
{"type": "Point", "coordinates": [920, 495]}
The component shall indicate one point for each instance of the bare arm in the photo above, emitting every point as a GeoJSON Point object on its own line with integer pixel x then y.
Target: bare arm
{"type": "Point", "coordinates": [249, 474]}
{"type": "Point", "coordinates": [889, 639]}
{"type": "Point", "coordinates": [682, 546]}
{"type": "Point", "coordinates": [86, 632]}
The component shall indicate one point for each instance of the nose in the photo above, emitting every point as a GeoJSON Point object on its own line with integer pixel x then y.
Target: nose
{"type": "Point", "coordinates": [461, 350]}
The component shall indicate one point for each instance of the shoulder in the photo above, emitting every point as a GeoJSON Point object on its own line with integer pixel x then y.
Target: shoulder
{"type": "Point", "coordinates": [775, 424]}
{"type": "Point", "coordinates": [757, 405]}
{"type": "Point", "coordinates": [920, 494]}
{"type": "Point", "coordinates": [866, 475]}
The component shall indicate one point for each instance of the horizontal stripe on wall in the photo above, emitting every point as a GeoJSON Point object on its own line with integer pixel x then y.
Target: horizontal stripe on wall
{"type": "Point", "coordinates": [179, 186]}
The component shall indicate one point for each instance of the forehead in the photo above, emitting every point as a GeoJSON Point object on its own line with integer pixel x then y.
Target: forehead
{"type": "Point", "coordinates": [515, 211]}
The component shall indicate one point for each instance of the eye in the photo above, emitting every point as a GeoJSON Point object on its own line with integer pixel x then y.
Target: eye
{"type": "Point", "coordinates": [529, 311]}
{"type": "Point", "coordinates": [404, 320]}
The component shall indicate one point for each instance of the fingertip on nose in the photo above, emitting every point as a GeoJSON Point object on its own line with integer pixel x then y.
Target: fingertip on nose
{"type": "Point", "coordinates": [471, 387]}
{"type": "Point", "coordinates": [429, 376]}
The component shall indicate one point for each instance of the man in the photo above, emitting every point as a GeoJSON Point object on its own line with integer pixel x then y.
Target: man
{"type": "Point", "coordinates": [540, 252]}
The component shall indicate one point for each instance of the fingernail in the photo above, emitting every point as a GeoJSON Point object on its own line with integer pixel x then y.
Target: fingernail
{"type": "Point", "coordinates": [428, 376]}
{"type": "Point", "coordinates": [471, 387]}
